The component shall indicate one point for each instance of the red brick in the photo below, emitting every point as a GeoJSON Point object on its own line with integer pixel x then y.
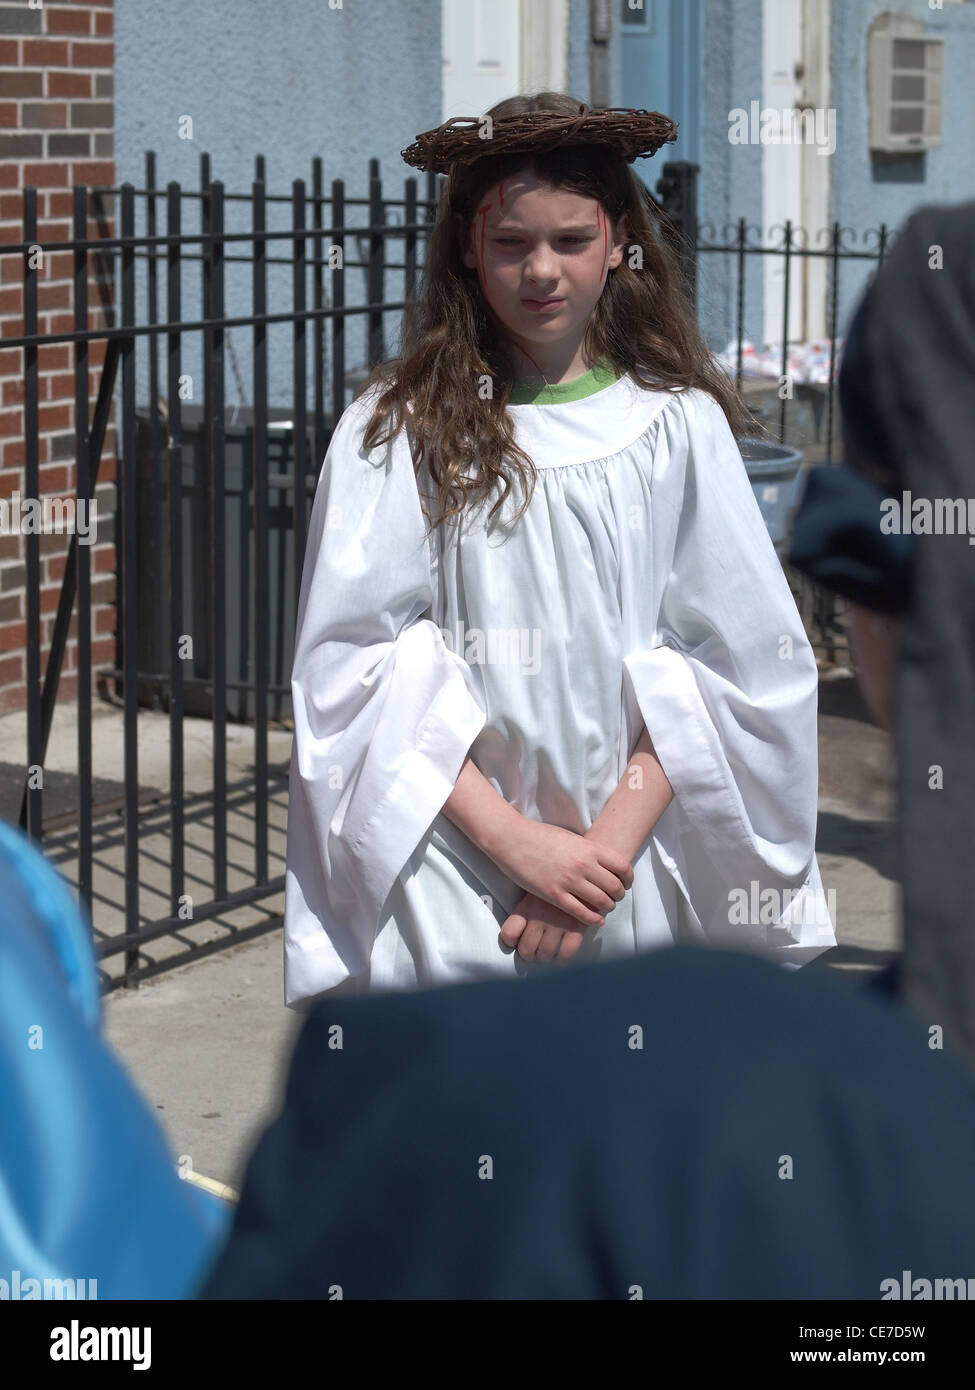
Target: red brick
{"type": "Point", "coordinates": [13, 391]}
{"type": "Point", "coordinates": [44, 175]}
{"type": "Point", "coordinates": [15, 453]}
{"type": "Point", "coordinates": [44, 115]}
{"type": "Point", "coordinates": [12, 636]}
{"type": "Point", "coordinates": [70, 84]}
{"type": "Point", "coordinates": [75, 21]}
{"type": "Point", "coordinates": [94, 172]}
{"type": "Point", "coordinates": [52, 297]}
{"type": "Point", "coordinates": [59, 204]}
{"type": "Point", "coordinates": [57, 323]}
{"type": "Point", "coordinates": [11, 481]}
{"type": "Point", "coordinates": [11, 267]}
{"type": "Point", "coordinates": [44, 53]}
{"type": "Point", "coordinates": [60, 265]}
{"type": "Point", "coordinates": [11, 207]}
{"type": "Point", "coordinates": [10, 548]}
{"type": "Point", "coordinates": [23, 84]}
{"type": "Point", "coordinates": [56, 477]}
{"type": "Point", "coordinates": [8, 113]}
{"type": "Point", "coordinates": [9, 53]}
{"type": "Point", "coordinates": [61, 388]}
{"type": "Point", "coordinates": [55, 417]}
{"type": "Point", "coordinates": [51, 230]}
{"type": "Point", "coordinates": [103, 561]}
{"type": "Point", "coordinates": [10, 175]}
{"type": "Point", "coordinates": [11, 422]}
{"type": "Point", "coordinates": [104, 23]}
{"type": "Point", "coordinates": [11, 669]}
{"type": "Point", "coordinates": [12, 360]}
{"type": "Point", "coordinates": [90, 55]}
{"type": "Point", "coordinates": [53, 357]}
{"type": "Point", "coordinates": [10, 300]}
{"type": "Point", "coordinates": [105, 620]}
{"type": "Point", "coordinates": [11, 327]}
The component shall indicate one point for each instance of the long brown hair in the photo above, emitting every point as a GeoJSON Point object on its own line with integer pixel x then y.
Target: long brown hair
{"type": "Point", "coordinates": [643, 322]}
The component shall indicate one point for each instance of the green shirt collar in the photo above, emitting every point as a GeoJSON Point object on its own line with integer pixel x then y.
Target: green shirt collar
{"type": "Point", "coordinates": [599, 376]}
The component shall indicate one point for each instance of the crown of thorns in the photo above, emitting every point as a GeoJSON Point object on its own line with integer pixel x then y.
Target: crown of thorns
{"type": "Point", "coordinates": [464, 139]}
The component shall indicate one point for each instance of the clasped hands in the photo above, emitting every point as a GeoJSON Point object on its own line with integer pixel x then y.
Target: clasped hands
{"type": "Point", "coordinates": [571, 881]}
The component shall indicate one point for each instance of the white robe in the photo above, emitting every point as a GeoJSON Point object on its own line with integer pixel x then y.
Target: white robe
{"type": "Point", "coordinates": [640, 587]}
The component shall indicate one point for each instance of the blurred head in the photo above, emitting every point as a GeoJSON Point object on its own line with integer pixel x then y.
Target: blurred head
{"type": "Point", "coordinates": [908, 414]}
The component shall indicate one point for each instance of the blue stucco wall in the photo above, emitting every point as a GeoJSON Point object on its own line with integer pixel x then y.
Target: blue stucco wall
{"type": "Point", "coordinates": [730, 181]}
{"type": "Point", "coordinates": [578, 64]}
{"type": "Point", "coordinates": [866, 190]}
{"type": "Point", "coordinates": [289, 81]}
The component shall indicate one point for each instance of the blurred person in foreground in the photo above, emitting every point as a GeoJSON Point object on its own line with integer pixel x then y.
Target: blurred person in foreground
{"type": "Point", "coordinates": [91, 1206]}
{"type": "Point", "coordinates": [682, 1124]}
{"type": "Point", "coordinates": [894, 533]}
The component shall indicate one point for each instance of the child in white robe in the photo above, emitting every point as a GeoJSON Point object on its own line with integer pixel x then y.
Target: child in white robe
{"type": "Point", "coordinates": [620, 614]}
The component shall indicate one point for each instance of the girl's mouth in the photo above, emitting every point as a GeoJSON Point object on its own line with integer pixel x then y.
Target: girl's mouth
{"type": "Point", "coordinates": [539, 306]}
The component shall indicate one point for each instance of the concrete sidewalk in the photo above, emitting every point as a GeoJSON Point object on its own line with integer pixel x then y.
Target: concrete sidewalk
{"type": "Point", "coordinates": [208, 1043]}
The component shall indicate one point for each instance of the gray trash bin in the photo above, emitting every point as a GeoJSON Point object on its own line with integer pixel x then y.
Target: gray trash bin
{"type": "Point", "coordinates": [775, 473]}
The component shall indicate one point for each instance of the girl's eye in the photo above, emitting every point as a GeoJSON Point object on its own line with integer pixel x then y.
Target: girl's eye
{"type": "Point", "coordinates": [514, 241]}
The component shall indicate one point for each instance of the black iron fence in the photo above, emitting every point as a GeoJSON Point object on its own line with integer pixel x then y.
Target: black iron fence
{"type": "Point", "coordinates": [152, 538]}
{"type": "Point", "coordinates": [789, 408]}
{"type": "Point", "coordinates": [213, 498]}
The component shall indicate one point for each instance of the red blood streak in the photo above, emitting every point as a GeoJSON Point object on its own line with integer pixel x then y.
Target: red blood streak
{"type": "Point", "coordinates": [482, 214]}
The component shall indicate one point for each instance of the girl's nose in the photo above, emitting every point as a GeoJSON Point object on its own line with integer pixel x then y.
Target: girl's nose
{"type": "Point", "coordinates": [541, 265]}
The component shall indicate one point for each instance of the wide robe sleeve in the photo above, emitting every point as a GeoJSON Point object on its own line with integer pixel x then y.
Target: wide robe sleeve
{"type": "Point", "coordinates": [728, 691]}
{"type": "Point", "coordinates": [384, 711]}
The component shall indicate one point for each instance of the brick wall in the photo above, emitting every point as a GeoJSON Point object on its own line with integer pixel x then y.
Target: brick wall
{"type": "Point", "coordinates": [56, 124]}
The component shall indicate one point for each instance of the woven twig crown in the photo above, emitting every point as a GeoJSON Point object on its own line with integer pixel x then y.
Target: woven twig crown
{"type": "Point", "coordinates": [464, 139]}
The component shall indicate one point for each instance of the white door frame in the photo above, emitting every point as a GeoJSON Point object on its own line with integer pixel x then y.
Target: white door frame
{"type": "Point", "coordinates": [816, 168]}
{"type": "Point", "coordinates": [781, 164]}
{"type": "Point", "coordinates": [494, 49]}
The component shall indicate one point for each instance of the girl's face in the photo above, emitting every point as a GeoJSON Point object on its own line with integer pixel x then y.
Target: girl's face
{"type": "Point", "coordinates": [542, 255]}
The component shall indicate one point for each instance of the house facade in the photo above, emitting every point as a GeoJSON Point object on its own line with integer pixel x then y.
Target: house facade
{"type": "Point", "coordinates": [87, 87]}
